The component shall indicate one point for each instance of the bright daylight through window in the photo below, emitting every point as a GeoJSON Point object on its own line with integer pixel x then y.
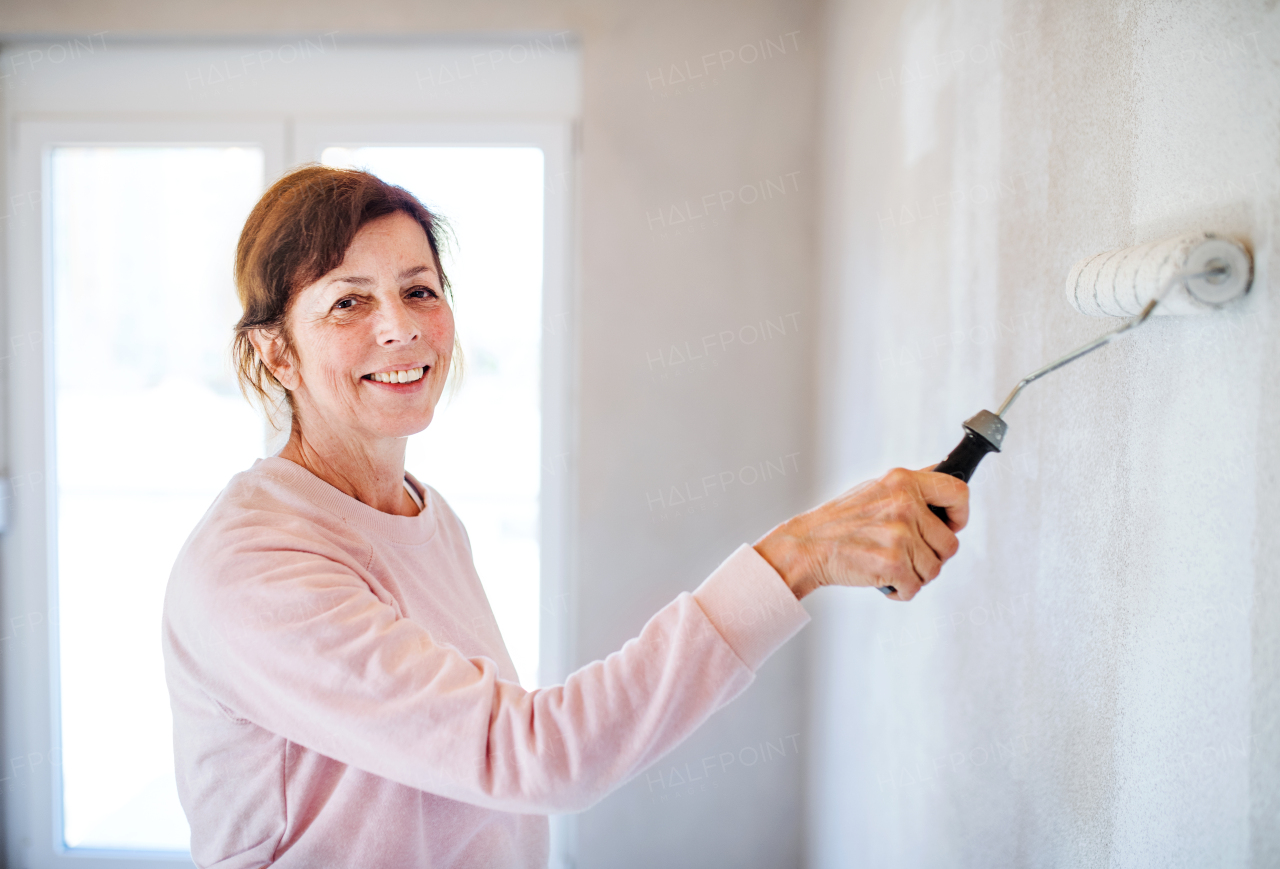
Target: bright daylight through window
{"type": "Point", "coordinates": [149, 428]}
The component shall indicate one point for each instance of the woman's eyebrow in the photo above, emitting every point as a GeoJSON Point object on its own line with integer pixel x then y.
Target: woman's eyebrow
{"type": "Point", "coordinates": [416, 270]}
{"type": "Point", "coordinates": [351, 279]}
{"type": "Point", "coordinates": [361, 280]}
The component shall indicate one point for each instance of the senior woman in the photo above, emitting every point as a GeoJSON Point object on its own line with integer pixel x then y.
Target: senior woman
{"type": "Point", "coordinates": [341, 694]}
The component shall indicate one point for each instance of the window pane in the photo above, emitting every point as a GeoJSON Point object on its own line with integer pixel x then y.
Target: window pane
{"type": "Point", "coordinates": [482, 450]}
{"type": "Point", "coordinates": [149, 428]}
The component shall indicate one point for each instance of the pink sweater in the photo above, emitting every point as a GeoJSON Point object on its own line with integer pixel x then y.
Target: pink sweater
{"type": "Point", "coordinates": [342, 697]}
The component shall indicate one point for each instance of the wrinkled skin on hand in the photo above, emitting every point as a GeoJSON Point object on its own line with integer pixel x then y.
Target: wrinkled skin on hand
{"type": "Point", "coordinates": [879, 533]}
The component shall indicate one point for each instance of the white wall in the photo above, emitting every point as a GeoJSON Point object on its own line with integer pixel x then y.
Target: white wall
{"type": "Point", "coordinates": [1093, 680]}
{"type": "Point", "coordinates": [649, 144]}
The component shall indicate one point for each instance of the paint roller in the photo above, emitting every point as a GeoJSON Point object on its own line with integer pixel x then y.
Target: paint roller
{"type": "Point", "coordinates": [1189, 274]}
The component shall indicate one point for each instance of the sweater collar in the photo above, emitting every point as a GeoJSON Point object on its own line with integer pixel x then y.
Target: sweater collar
{"type": "Point", "coordinates": [405, 530]}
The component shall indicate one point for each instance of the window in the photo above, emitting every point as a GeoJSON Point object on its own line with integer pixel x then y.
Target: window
{"type": "Point", "coordinates": [127, 419]}
{"type": "Point", "coordinates": [148, 427]}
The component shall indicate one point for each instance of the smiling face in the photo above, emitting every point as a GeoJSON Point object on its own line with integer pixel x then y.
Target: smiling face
{"type": "Point", "coordinates": [372, 339]}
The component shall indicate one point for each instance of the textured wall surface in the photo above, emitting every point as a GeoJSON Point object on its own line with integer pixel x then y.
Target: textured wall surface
{"type": "Point", "coordinates": [698, 198]}
{"type": "Point", "coordinates": [1093, 681]}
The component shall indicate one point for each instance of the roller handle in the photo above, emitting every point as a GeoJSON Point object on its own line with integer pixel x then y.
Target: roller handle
{"type": "Point", "coordinates": [961, 464]}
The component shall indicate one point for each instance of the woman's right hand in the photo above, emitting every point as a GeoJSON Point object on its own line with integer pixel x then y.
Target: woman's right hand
{"type": "Point", "coordinates": [877, 534]}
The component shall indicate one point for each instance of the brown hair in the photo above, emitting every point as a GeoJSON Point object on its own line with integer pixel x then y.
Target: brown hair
{"type": "Point", "coordinates": [298, 232]}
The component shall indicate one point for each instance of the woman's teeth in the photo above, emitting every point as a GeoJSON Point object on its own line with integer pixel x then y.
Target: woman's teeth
{"type": "Point", "coordinates": [397, 376]}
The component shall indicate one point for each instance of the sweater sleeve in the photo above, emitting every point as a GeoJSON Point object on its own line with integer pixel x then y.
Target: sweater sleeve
{"type": "Point", "coordinates": [307, 651]}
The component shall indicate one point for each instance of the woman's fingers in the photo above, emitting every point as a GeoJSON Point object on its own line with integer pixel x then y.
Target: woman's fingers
{"type": "Point", "coordinates": [927, 561]}
{"type": "Point", "coordinates": [942, 541]}
{"type": "Point", "coordinates": [897, 570]}
{"type": "Point", "coordinates": [945, 491]}
{"type": "Point", "coordinates": [917, 563]}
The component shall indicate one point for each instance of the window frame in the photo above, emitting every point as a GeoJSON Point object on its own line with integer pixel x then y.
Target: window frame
{"type": "Point", "coordinates": [287, 137]}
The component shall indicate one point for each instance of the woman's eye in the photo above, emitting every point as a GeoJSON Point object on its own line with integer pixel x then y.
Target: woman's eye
{"type": "Point", "coordinates": [343, 304]}
{"type": "Point", "coordinates": [422, 293]}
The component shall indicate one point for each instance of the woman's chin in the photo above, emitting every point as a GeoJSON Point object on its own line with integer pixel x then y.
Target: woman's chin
{"type": "Point", "coordinates": [375, 426]}
{"type": "Point", "coordinates": [406, 428]}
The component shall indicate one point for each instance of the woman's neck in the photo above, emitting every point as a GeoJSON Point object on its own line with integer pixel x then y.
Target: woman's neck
{"type": "Point", "coordinates": [372, 474]}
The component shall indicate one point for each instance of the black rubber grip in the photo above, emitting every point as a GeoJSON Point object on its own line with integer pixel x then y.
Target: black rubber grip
{"type": "Point", "coordinates": [961, 464]}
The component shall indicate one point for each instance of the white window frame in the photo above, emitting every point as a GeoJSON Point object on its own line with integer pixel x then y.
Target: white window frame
{"type": "Point", "coordinates": [291, 121]}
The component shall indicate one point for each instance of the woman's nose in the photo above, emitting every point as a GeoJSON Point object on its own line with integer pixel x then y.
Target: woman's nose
{"type": "Point", "coordinates": [396, 324]}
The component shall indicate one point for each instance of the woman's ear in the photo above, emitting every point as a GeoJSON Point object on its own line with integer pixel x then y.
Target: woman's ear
{"type": "Point", "coordinates": [274, 353]}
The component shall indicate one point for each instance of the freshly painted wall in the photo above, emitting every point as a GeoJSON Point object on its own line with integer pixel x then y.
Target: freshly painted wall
{"type": "Point", "coordinates": [1094, 680]}
{"type": "Point", "coordinates": [698, 200]}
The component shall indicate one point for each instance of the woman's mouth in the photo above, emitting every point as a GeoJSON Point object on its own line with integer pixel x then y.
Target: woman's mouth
{"type": "Point", "coordinates": [408, 375]}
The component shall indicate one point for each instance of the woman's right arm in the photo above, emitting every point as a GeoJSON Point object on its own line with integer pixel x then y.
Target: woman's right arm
{"type": "Point", "coordinates": [297, 643]}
